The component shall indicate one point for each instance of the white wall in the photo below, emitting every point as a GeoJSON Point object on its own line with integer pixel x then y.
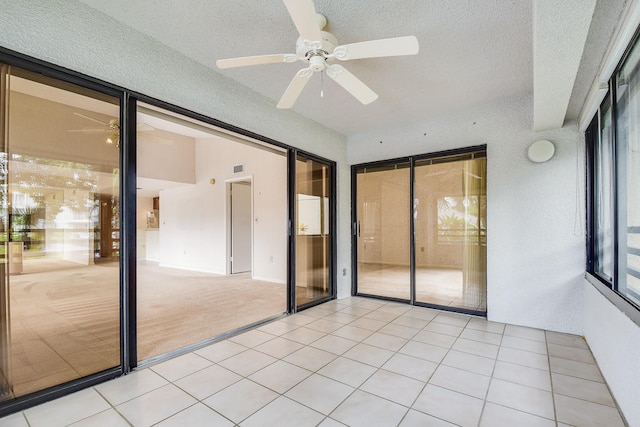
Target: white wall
{"type": "Point", "coordinates": [193, 220]}
{"type": "Point", "coordinates": [615, 342]}
{"type": "Point", "coordinates": [535, 248]}
{"type": "Point", "coordinates": [72, 35]}
{"type": "Point", "coordinates": [173, 162]}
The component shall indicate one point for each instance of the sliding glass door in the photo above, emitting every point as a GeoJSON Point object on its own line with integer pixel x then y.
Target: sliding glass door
{"type": "Point", "coordinates": [450, 232]}
{"type": "Point", "coordinates": [211, 231]}
{"type": "Point", "coordinates": [382, 229]}
{"type": "Point", "coordinates": [440, 201]}
{"type": "Point", "coordinates": [130, 231]}
{"type": "Point", "coordinates": [59, 232]}
{"type": "Point", "coordinates": [313, 233]}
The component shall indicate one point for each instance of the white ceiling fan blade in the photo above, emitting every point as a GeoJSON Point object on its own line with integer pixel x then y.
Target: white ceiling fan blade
{"type": "Point", "coordinates": [90, 118]}
{"type": "Point", "coordinates": [294, 89]}
{"type": "Point", "coordinates": [396, 46]}
{"type": "Point", "coordinates": [352, 84]}
{"type": "Point", "coordinates": [255, 60]}
{"type": "Point", "coordinates": [303, 14]}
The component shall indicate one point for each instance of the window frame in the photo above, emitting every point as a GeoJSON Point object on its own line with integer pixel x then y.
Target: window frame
{"type": "Point", "coordinates": [608, 287]}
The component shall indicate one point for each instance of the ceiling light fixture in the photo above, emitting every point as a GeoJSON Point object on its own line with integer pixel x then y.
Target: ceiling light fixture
{"type": "Point", "coordinates": [541, 151]}
{"type": "Point", "coordinates": [114, 136]}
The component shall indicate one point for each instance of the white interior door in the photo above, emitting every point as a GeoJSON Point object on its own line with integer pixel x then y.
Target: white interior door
{"type": "Point", "coordinates": [240, 227]}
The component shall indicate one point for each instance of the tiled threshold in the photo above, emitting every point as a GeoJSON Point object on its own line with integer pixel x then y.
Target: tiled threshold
{"type": "Point", "coordinates": [356, 362]}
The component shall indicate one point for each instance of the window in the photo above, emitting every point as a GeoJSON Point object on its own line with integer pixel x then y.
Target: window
{"type": "Point", "coordinates": [613, 153]}
{"type": "Point", "coordinates": [604, 194]}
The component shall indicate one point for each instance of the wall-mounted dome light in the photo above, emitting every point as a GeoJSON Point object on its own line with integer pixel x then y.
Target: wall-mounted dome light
{"type": "Point", "coordinates": [541, 151]}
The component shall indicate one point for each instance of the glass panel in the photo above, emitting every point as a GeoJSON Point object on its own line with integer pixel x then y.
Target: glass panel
{"type": "Point", "coordinates": [383, 214]}
{"type": "Point", "coordinates": [59, 209]}
{"type": "Point", "coordinates": [603, 194]}
{"type": "Point", "coordinates": [211, 231]}
{"type": "Point", "coordinates": [313, 233]}
{"type": "Point", "coordinates": [628, 170]}
{"type": "Point", "coordinates": [451, 233]}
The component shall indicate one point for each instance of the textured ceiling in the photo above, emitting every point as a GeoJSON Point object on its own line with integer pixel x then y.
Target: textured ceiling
{"type": "Point", "coordinates": [471, 52]}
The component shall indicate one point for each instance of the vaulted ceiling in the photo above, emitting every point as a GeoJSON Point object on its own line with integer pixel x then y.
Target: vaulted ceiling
{"type": "Point", "coordinates": [472, 52]}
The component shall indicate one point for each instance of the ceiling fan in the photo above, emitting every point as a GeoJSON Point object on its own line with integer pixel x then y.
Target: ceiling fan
{"type": "Point", "coordinates": [112, 130]}
{"type": "Point", "coordinates": [319, 49]}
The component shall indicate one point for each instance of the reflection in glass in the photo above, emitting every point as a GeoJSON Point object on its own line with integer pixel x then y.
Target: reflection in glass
{"type": "Point", "coordinates": [450, 232]}
{"type": "Point", "coordinates": [312, 230]}
{"type": "Point", "coordinates": [628, 171]}
{"type": "Point", "coordinates": [604, 195]}
{"type": "Point", "coordinates": [383, 230]}
{"type": "Point", "coordinates": [211, 232]}
{"type": "Point", "coordinates": [59, 208]}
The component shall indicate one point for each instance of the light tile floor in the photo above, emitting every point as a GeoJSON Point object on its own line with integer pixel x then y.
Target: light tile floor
{"type": "Point", "coordinates": [356, 362]}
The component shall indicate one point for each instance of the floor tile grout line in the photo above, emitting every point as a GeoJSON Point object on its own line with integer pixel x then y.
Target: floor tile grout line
{"type": "Point", "coordinates": [248, 416]}
{"type": "Point", "coordinates": [312, 373]}
{"type": "Point", "coordinates": [381, 367]}
{"type": "Point", "coordinates": [493, 370]}
{"type": "Point", "coordinates": [378, 369]}
{"type": "Point", "coordinates": [112, 406]}
{"type": "Point", "coordinates": [396, 352]}
{"type": "Point", "coordinates": [553, 394]}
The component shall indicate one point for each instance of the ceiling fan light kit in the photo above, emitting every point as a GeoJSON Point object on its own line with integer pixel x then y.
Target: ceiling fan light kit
{"type": "Point", "coordinates": [319, 49]}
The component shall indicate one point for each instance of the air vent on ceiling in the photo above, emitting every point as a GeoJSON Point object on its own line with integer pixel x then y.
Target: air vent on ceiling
{"type": "Point", "coordinates": [238, 168]}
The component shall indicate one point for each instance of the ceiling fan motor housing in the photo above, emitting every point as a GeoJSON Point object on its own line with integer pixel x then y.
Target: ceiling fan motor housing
{"type": "Point", "coordinates": [316, 52]}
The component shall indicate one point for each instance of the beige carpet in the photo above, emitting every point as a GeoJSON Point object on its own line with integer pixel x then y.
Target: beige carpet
{"type": "Point", "coordinates": [65, 317]}
{"type": "Point", "coordinates": [179, 307]}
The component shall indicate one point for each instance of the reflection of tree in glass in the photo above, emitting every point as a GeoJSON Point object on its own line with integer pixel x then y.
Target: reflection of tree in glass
{"type": "Point", "coordinates": [460, 217]}
{"type": "Point", "coordinates": [32, 193]}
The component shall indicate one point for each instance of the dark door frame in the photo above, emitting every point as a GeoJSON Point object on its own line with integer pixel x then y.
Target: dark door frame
{"type": "Point", "coordinates": [355, 227]}
{"type": "Point", "coordinates": [128, 290]}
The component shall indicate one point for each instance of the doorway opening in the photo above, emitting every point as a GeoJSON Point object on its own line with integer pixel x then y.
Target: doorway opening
{"type": "Point", "coordinates": [240, 226]}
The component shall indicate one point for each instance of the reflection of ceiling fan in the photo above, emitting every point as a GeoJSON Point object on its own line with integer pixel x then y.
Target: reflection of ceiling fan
{"type": "Point", "coordinates": [112, 130]}
{"type": "Point", "coordinates": [319, 48]}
